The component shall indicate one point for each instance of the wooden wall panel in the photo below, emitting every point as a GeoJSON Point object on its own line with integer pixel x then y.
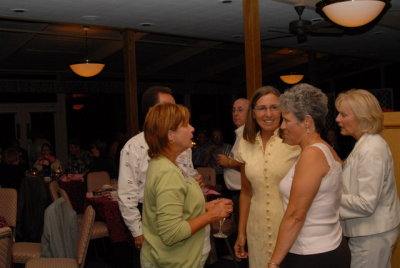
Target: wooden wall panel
{"type": "Point", "coordinates": [391, 133]}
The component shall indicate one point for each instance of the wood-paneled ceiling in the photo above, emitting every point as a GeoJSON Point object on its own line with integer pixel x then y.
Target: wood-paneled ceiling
{"type": "Point", "coordinates": [184, 41]}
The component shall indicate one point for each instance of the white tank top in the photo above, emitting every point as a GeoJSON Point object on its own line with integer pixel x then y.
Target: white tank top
{"type": "Point", "coordinates": [321, 231]}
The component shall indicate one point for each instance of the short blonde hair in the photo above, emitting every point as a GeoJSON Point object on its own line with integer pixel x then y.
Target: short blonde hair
{"type": "Point", "coordinates": [365, 107]}
{"type": "Point", "coordinates": [159, 120]}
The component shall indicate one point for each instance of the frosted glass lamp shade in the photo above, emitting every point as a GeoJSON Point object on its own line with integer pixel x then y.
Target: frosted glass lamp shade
{"type": "Point", "coordinates": [292, 78]}
{"type": "Point", "coordinates": [87, 69]}
{"type": "Point", "coordinates": [354, 13]}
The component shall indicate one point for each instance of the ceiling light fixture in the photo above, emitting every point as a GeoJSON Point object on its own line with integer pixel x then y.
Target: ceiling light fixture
{"type": "Point", "coordinates": [351, 13]}
{"type": "Point", "coordinates": [87, 68]}
{"type": "Point", "coordinates": [291, 79]}
{"type": "Point", "coordinates": [146, 24]}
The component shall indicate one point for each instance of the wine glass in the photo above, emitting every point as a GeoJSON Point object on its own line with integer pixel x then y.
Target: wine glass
{"type": "Point", "coordinates": [220, 233]}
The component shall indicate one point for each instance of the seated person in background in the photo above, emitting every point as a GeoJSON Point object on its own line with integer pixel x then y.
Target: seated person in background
{"type": "Point", "coordinates": [47, 161]}
{"type": "Point", "coordinates": [199, 150]}
{"type": "Point", "coordinates": [78, 159]}
{"type": "Point", "coordinates": [22, 154]}
{"type": "Point", "coordinates": [11, 173]}
{"type": "Point", "coordinates": [216, 147]}
{"type": "Point", "coordinates": [101, 159]}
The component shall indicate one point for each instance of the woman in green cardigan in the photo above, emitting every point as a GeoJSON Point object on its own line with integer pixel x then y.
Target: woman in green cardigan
{"type": "Point", "coordinates": [176, 217]}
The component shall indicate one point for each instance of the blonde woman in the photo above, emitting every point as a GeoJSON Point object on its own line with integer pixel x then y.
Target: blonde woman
{"type": "Point", "coordinates": [370, 208]}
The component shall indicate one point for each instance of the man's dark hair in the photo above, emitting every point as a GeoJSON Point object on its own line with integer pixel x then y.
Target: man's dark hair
{"type": "Point", "coordinates": [150, 97]}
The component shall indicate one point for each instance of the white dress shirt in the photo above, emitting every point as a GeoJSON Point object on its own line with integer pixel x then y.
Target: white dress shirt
{"type": "Point", "coordinates": [232, 176]}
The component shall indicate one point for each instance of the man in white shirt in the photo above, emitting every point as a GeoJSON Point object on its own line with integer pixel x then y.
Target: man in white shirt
{"type": "Point", "coordinates": [231, 166]}
{"type": "Point", "coordinates": [134, 161]}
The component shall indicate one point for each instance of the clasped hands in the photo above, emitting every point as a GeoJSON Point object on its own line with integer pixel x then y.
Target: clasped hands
{"type": "Point", "coordinates": [220, 208]}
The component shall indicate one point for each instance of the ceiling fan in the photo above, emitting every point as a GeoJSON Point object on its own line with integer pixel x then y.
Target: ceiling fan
{"type": "Point", "coordinates": [302, 28]}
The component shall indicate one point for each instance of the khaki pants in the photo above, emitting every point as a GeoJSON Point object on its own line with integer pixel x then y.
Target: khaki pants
{"type": "Point", "coordinates": [373, 251]}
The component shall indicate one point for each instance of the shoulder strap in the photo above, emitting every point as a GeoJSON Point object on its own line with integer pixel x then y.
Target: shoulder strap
{"type": "Point", "coordinates": [326, 151]}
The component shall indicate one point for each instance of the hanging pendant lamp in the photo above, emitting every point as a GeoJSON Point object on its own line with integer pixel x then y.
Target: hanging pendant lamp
{"type": "Point", "coordinates": [291, 79]}
{"type": "Point", "coordinates": [87, 68]}
{"type": "Point", "coordinates": [351, 13]}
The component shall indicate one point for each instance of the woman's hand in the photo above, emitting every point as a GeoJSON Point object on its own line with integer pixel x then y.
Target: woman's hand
{"type": "Point", "coordinates": [239, 247]}
{"type": "Point", "coordinates": [211, 204]}
{"type": "Point", "coordinates": [219, 209]}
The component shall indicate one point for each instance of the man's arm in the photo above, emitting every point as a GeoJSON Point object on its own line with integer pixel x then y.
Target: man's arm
{"type": "Point", "coordinates": [129, 192]}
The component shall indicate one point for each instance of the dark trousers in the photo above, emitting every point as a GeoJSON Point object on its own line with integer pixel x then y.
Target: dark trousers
{"type": "Point", "coordinates": [337, 258]}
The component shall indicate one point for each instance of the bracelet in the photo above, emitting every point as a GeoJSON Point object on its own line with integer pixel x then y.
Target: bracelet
{"type": "Point", "coordinates": [273, 263]}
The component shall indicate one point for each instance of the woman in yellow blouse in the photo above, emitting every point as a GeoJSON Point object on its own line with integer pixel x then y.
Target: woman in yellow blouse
{"type": "Point", "coordinates": [266, 159]}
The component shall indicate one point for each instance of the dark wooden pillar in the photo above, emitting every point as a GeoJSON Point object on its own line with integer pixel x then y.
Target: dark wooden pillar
{"type": "Point", "coordinates": [131, 92]}
{"type": "Point", "coordinates": [251, 22]}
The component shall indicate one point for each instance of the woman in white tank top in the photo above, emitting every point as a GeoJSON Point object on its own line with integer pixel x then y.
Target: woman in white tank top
{"type": "Point", "coordinates": [310, 234]}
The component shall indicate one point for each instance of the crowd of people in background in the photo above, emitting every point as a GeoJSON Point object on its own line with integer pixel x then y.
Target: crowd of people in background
{"type": "Point", "coordinates": [298, 197]}
{"type": "Point", "coordinates": [17, 163]}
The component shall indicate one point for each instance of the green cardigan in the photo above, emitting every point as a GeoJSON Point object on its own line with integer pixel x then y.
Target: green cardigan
{"type": "Point", "coordinates": [169, 201]}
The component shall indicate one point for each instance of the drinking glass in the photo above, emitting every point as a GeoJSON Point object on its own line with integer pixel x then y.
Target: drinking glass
{"type": "Point", "coordinates": [220, 233]}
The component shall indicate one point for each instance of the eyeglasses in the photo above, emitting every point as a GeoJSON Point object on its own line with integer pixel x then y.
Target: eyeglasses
{"type": "Point", "coordinates": [263, 108]}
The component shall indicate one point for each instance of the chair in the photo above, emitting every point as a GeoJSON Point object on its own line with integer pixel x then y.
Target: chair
{"type": "Point", "coordinates": [97, 179]}
{"type": "Point", "coordinates": [5, 247]}
{"type": "Point", "coordinates": [209, 175]}
{"type": "Point", "coordinates": [100, 229]}
{"type": "Point", "coordinates": [8, 208]}
{"type": "Point", "coordinates": [54, 190]}
{"type": "Point", "coordinates": [81, 250]}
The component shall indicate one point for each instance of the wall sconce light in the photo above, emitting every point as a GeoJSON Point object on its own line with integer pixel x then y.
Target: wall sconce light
{"type": "Point", "coordinates": [87, 68]}
{"type": "Point", "coordinates": [351, 13]}
{"type": "Point", "coordinates": [292, 79]}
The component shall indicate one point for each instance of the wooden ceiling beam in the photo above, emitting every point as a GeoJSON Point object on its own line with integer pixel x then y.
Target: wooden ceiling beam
{"type": "Point", "coordinates": [182, 55]}
{"type": "Point", "coordinates": [216, 69]}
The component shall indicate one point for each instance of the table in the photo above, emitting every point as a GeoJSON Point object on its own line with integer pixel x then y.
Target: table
{"type": "Point", "coordinates": [108, 211]}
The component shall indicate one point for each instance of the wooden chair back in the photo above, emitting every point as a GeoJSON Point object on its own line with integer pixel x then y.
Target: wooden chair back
{"type": "Point", "coordinates": [209, 175]}
{"type": "Point", "coordinates": [5, 247]}
{"type": "Point", "coordinates": [97, 179]}
{"type": "Point", "coordinates": [8, 208]}
{"type": "Point", "coordinates": [84, 235]}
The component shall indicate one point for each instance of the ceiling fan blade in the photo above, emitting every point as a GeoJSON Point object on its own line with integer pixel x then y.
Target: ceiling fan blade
{"type": "Point", "coordinates": [276, 37]}
{"type": "Point", "coordinates": [324, 24]}
{"type": "Point", "coordinates": [324, 28]}
{"type": "Point", "coordinates": [325, 31]}
{"type": "Point", "coordinates": [278, 31]}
